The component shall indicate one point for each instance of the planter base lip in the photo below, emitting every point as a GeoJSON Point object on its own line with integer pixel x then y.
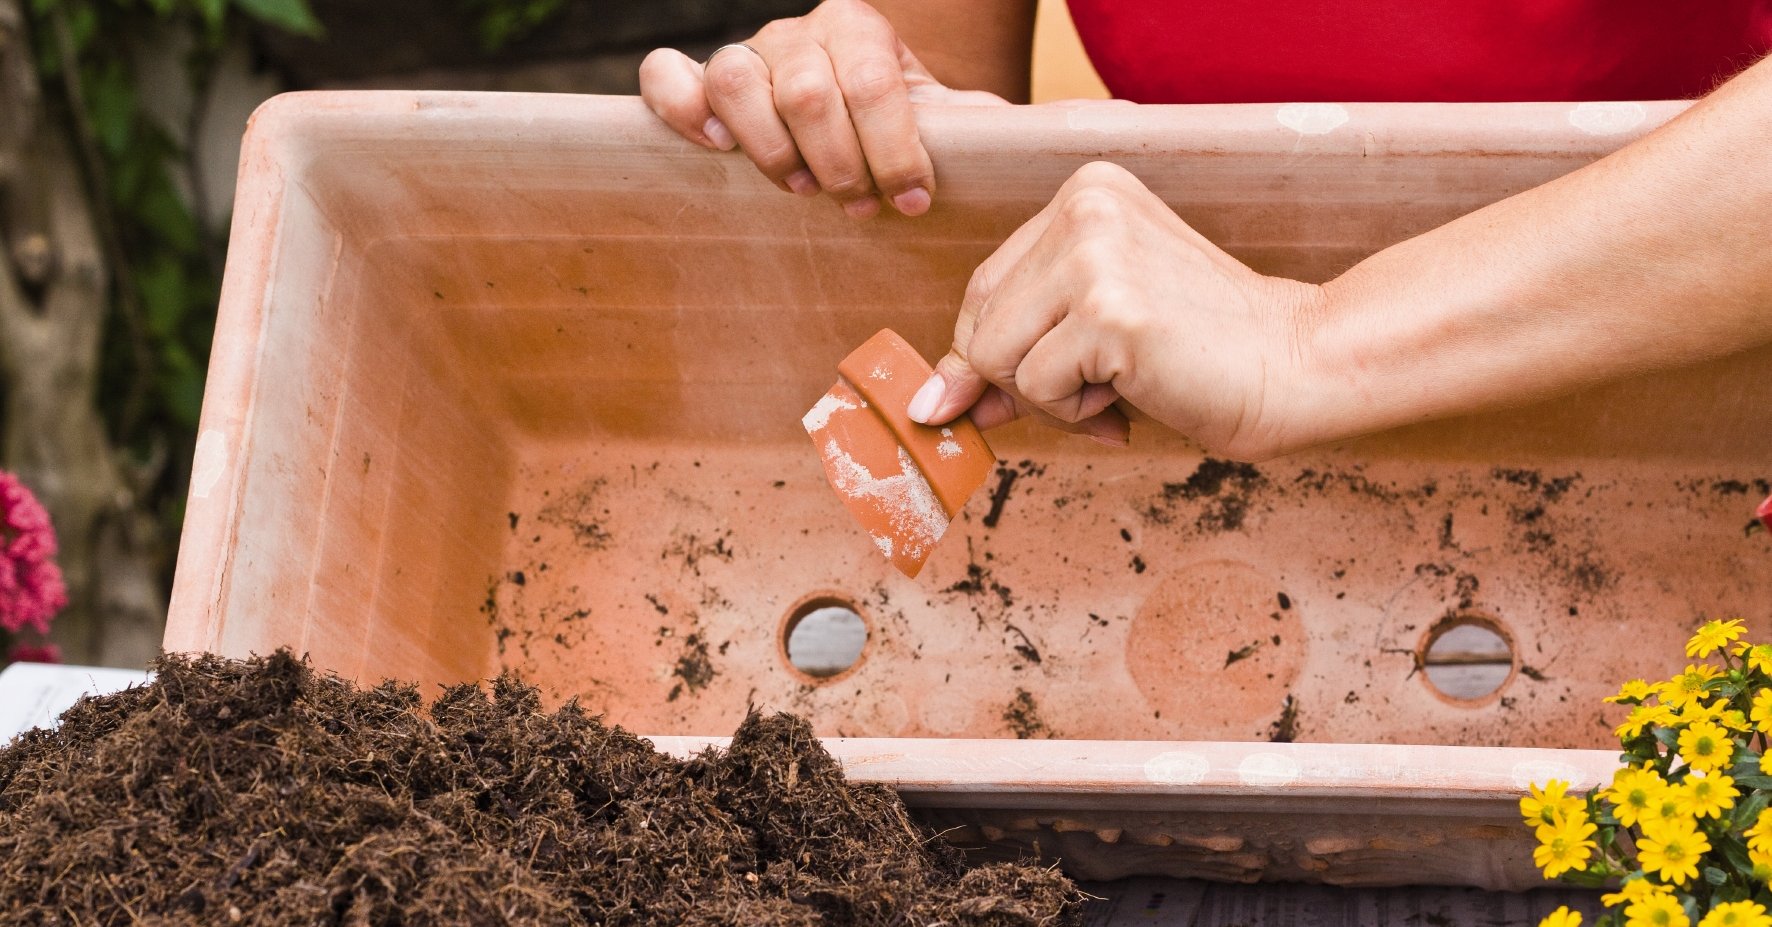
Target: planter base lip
{"type": "Point", "coordinates": [1121, 773]}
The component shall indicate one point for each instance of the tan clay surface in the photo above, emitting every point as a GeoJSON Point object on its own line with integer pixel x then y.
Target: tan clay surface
{"type": "Point", "coordinates": [516, 381]}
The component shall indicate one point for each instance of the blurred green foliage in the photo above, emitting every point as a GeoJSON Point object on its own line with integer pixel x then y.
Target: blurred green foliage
{"type": "Point", "coordinates": [165, 264]}
{"type": "Point", "coordinates": [96, 60]}
{"type": "Point", "coordinates": [500, 22]}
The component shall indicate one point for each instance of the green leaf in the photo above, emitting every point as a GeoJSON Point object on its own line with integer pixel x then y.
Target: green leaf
{"type": "Point", "coordinates": [288, 15]}
{"type": "Point", "coordinates": [110, 100]}
{"type": "Point", "coordinates": [1715, 876]}
{"type": "Point", "coordinates": [1668, 737]}
{"type": "Point", "coordinates": [82, 24]}
{"type": "Point", "coordinates": [1754, 781]}
{"type": "Point", "coordinates": [1749, 810]}
{"type": "Point", "coordinates": [1736, 854]}
{"type": "Point", "coordinates": [166, 216]}
{"type": "Point", "coordinates": [165, 296]}
{"type": "Point", "coordinates": [1583, 878]}
{"type": "Point", "coordinates": [1690, 904]}
{"type": "Point", "coordinates": [213, 12]}
{"type": "Point", "coordinates": [181, 386]}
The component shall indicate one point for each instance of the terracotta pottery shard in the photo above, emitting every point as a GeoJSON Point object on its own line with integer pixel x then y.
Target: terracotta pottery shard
{"type": "Point", "coordinates": [903, 481]}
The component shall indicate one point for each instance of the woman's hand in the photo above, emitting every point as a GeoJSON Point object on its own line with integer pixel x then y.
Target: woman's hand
{"type": "Point", "coordinates": [1108, 298]}
{"type": "Point", "coordinates": [821, 103]}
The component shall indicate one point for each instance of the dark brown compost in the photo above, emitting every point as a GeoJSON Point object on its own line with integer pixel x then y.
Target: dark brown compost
{"type": "Point", "coordinates": [262, 792]}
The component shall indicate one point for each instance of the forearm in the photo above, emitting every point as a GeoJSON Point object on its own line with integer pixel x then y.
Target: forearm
{"type": "Point", "coordinates": [1656, 256]}
{"type": "Point", "coordinates": [969, 45]}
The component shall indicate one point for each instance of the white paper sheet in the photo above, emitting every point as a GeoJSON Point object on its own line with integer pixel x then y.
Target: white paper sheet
{"type": "Point", "coordinates": [34, 694]}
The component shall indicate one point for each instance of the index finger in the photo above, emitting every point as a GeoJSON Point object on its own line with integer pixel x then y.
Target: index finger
{"type": "Point", "coordinates": [869, 62]}
{"type": "Point", "coordinates": [956, 385]}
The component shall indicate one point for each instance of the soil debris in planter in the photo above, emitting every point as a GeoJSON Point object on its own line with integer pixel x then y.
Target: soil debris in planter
{"type": "Point", "coordinates": [260, 792]}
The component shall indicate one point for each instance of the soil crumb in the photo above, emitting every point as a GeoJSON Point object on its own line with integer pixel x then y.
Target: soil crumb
{"type": "Point", "coordinates": [1224, 485]}
{"type": "Point", "coordinates": [1023, 717]}
{"type": "Point", "coordinates": [260, 792]}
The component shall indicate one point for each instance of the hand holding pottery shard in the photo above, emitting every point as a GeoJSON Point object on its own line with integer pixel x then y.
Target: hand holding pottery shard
{"type": "Point", "coordinates": [903, 481]}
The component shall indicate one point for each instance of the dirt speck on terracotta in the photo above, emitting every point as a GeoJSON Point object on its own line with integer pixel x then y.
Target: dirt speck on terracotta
{"type": "Point", "coordinates": [1022, 644]}
{"type": "Point", "coordinates": [1549, 488]}
{"type": "Point", "coordinates": [692, 549]}
{"type": "Point", "coordinates": [581, 511]}
{"type": "Point", "coordinates": [1224, 487]}
{"type": "Point", "coordinates": [1023, 717]}
{"type": "Point", "coordinates": [694, 670]}
{"type": "Point", "coordinates": [1285, 728]}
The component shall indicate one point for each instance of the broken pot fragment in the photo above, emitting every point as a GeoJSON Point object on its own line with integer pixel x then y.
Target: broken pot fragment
{"type": "Point", "coordinates": [904, 482]}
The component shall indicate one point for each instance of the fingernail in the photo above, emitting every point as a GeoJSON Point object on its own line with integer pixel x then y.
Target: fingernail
{"type": "Point", "coordinates": [716, 132]}
{"type": "Point", "coordinates": [928, 397]}
{"type": "Point", "coordinates": [1107, 440]}
{"type": "Point", "coordinates": [803, 183]}
{"type": "Point", "coordinates": [862, 208]}
{"type": "Point", "coordinates": [912, 202]}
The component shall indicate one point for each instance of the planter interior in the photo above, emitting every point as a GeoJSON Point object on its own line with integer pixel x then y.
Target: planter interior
{"type": "Point", "coordinates": [514, 381]}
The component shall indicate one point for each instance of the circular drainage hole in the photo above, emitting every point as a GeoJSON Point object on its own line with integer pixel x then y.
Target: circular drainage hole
{"type": "Point", "coordinates": [824, 636]}
{"type": "Point", "coordinates": [1467, 658]}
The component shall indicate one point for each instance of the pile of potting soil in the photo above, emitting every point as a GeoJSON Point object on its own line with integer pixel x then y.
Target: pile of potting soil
{"type": "Point", "coordinates": [261, 792]}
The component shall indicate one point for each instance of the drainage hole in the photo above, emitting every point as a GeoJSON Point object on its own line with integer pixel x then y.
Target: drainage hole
{"type": "Point", "coordinates": [824, 637]}
{"type": "Point", "coordinates": [1467, 658]}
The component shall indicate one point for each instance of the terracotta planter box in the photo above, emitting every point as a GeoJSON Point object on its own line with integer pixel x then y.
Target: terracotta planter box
{"type": "Point", "coordinates": [517, 381]}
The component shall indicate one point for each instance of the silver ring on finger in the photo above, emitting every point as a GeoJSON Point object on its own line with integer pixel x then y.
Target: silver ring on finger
{"type": "Point", "coordinates": [716, 52]}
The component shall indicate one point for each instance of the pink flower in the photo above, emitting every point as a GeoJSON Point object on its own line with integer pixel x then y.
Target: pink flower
{"type": "Point", "coordinates": [31, 587]}
{"type": "Point", "coordinates": [35, 653]}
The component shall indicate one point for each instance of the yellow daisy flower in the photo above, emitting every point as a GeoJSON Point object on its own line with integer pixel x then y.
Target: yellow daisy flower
{"type": "Point", "coordinates": [1563, 917]}
{"type": "Point", "coordinates": [1552, 805]}
{"type": "Point", "coordinates": [1632, 892]}
{"type": "Point", "coordinates": [1737, 914]}
{"type": "Point", "coordinates": [1633, 792]}
{"type": "Point", "coordinates": [1762, 711]}
{"type": "Point", "coordinates": [1713, 636]}
{"type": "Point", "coordinates": [1708, 796]}
{"type": "Point", "coordinates": [1634, 691]}
{"type": "Point", "coordinates": [1762, 863]}
{"type": "Point", "coordinates": [1666, 806]}
{"type": "Point", "coordinates": [1670, 850]}
{"type": "Point", "coordinates": [1766, 763]}
{"type": "Point", "coordinates": [1718, 711]}
{"type": "Point", "coordinates": [1661, 910]}
{"type": "Point", "coordinates": [1759, 836]}
{"type": "Point", "coordinates": [1706, 746]}
{"type": "Point", "coordinates": [1756, 656]}
{"type": "Point", "coordinates": [1565, 846]}
{"type": "Point", "coordinates": [1690, 684]}
{"type": "Point", "coordinates": [1641, 717]}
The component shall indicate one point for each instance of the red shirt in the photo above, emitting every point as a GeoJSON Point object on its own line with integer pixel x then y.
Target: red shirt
{"type": "Point", "coordinates": [1246, 51]}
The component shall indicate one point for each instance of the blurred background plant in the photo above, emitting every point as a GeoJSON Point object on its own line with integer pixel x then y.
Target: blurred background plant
{"type": "Point", "coordinates": [120, 123]}
{"type": "Point", "coordinates": [31, 588]}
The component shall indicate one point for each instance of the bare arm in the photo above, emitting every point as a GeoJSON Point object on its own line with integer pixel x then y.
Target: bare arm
{"type": "Point", "coordinates": [1658, 255]}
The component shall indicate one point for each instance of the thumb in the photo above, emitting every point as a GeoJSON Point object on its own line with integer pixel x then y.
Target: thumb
{"type": "Point", "coordinates": [949, 391]}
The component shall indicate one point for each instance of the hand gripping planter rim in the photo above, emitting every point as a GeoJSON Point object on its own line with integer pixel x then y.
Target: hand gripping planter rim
{"type": "Point", "coordinates": [517, 381]}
